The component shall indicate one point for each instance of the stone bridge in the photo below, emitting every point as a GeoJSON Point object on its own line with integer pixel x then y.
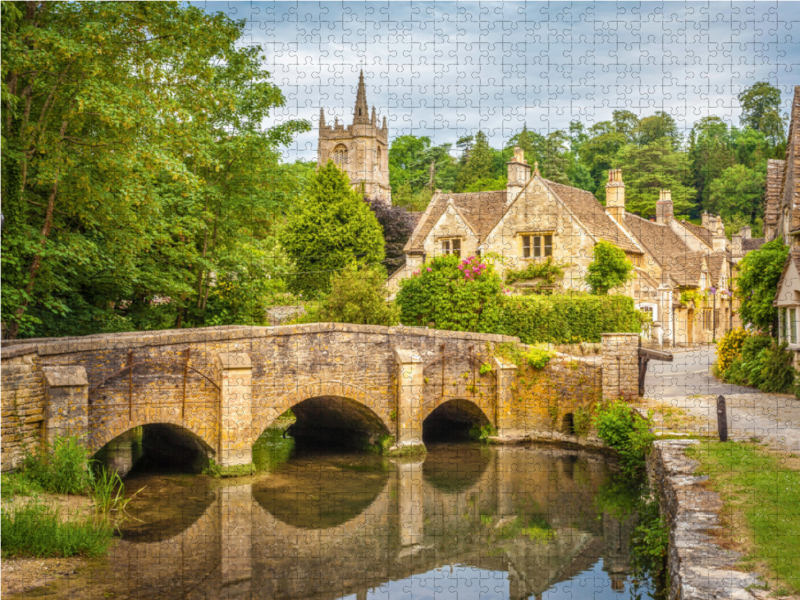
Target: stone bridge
{"type": "Point", "coordinates": [226, 385]}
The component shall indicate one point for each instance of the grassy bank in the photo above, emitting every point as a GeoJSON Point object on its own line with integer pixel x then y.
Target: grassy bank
{"type": "Point", "coordinates": [762, 508]}
{"type": "Point", "coordinates": [35, 523]}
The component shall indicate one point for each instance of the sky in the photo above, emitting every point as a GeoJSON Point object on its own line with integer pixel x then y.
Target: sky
{"type": "Point", "coordinates": [449, 69]}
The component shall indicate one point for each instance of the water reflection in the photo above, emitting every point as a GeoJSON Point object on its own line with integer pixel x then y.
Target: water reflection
{"type": "Point", "coordinates": [466, 522]}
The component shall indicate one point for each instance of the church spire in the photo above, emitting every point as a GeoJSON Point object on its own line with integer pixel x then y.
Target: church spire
{"type": "Point", "coordinates": [361, 113]}
{"type": "Point", "coordinates": [321, 117]}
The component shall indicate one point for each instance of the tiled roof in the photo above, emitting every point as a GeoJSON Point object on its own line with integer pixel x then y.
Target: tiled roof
{"type": "Point", "coordinates": [659, 240]}
{"type": "Point", "coordinates": [703, 234]}
{"type": "Point", "coordinates": [752, 244]}
{"type": "Point", "coordinates": [772, 197]}
{"type": "Point", "coordinates": [591, 214]}
{"type": "Point", "coordinates": [481, 210]}
{"type": "Point", "coordinates": [686, 268]}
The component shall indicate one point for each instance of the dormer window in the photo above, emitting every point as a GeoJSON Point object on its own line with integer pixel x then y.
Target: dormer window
{"type": "Point", "coordinates": [536, 245]}
{"type": "Point", "coordinates": [452, 246]}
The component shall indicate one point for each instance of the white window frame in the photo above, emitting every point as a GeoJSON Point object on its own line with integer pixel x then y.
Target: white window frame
{"type": "Point", "coordinates": [448, 246]}
{"type": "Point", "coordinates": [537, 244]}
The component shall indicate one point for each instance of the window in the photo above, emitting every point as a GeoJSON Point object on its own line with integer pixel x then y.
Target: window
{"type": "Point", "coordinates": [792, 326]}
{"type": "Point", "coordinates": [707, 319]}
{"type": "Point", "coordinates": [452, 246]}
{"type": "Point", "coordinates": [377, 166]}
{"type": "Point", "coordinates": [782, 324]}
{"type": "Point", "coordinates": [535, 246]}
{"type": "Point", "coordinates": [340, 155]}
{"type": "Point", "coordinates": [636, 259]}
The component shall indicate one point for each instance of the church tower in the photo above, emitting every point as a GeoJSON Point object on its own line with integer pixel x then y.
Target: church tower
{"type": "Point", "coordinates": [361, 150]}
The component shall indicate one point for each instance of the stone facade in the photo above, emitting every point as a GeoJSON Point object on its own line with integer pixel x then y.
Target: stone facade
{"type": "Point", "coordinates": [361, 149]}
{"type": "Point", "coordinates": [223, 386]}
{"type": "Point", "coordinates": [620, 366]}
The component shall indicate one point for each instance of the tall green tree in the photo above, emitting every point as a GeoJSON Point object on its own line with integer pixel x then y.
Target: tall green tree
{"type": "Point", "coordinates": [328, 230]}
{"type": "Point", "coordinates": [757, 283]}
{"type": "Point", "coordinates": [480, 164]}
{"type": "Point", "coordinates": [761, 110]}
{"type": "Point", "coordinates": [738, 192]}
{"type": "Point", "coordinates": [657, 126]}
{"type": "Point", "coordinates": [133, 152]}
{"type": "Point", "coordinates": [648, 169]}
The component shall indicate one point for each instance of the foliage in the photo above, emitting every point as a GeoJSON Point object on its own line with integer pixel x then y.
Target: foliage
{"type": "Point", "coordinates": [582, 420]}
{"type": "Point", "coordinates": [416, 166]}
{"type": "Point", "coordinates": [657, 127]}
{"type": "Point", "coordinates": [134, 163]}
{"type": "Point", "coordinates": [729, 348]}
{"type": "Point", "coordinates": [36, 529]}
{"type": "Point", "coordinates": [483, 433]}
{"type": "Point", "coordinates": [609, 268]}
{"type": "Point", "coordinates": [328, 230]}
{"type": "Point", "coordinates": [738, 191]}
{"type": "Point", "coordinates": [397, 224]}
{"type": "Point", "coordinates": [693, 296]}
{"type": "Point", "coordinates": [650, 168]}
{"type": "Point", "coordinates": [548, 271]}
{"type": "Point", "coordinates": [748, 368]}
{"type": "Point", "coordinates": [486, 368]}
{"type": "Point", "coordinates": [479, 164]}
{"type": "Point", "coordinates": [536, 358]}
{"type": "Point", "coordinates": [650, 539]}
{"type": "Point", "coordinates": [60, 469]}
{"type": "Point", "coordinates": [761, 110]}
{"type": "Point", "coordinates": [777, 374]}
{"type": "Point", "coordinates": [357, 296]}
{"type": "Point", "coordinates": [621, 427]}
{"type": "Point", "coordinates": [566, 319]}
{"type": "Point", "coordinates": [453, 294]}
{"type": "Point", "coordinates": [757, 283]}
{"type": "Point", "coordinates": [741, 472]}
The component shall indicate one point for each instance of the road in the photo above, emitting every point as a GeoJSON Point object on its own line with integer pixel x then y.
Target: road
{"type": "Point", "coordinates": [688, 386]}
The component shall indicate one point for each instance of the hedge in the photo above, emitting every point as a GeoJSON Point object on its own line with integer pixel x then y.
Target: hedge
{"type": "Point", "coordinates": [567, 319]}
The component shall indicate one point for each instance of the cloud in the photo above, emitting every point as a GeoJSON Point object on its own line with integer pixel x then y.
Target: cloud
{"type": "Point", "coordinates": [448, 69]}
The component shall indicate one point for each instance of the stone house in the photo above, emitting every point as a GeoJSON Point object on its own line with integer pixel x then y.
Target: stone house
{"type": "Point", "coordinates": [682, 271]}
{"type": "Point", "coordinates": [782, 220]}
{"type": "Point", "coordinates": [361, 149]}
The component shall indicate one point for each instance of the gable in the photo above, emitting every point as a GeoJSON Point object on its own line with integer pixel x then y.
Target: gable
{"type": "Point", "coordinates": [788, 292]}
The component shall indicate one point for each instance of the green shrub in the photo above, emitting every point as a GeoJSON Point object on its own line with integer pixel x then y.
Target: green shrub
{"type": "Point", "coordinates": [729, 348]}
{"type": "Point", "coordinates": [566, 319]}
{"type": "Point", "coordinates": [777, 374]}
{"type": "Point", "coordinates": [581, 421]}
{"type": "Point", "coordinates": [748, 370]}
{"type": "Point", "coordinates": [622, 428]}
{"type": "Point", "coordinates": [453, 294]}
{"type": "Point", "coordinates": [536, 358]}
{"type": "Point", "coordinates": [549, 271]}
{"type": "Point", "coordinates": [36, 529]}
{"type": "Point", "coordinates": [357, 296]}
{"type": "Point", "coordinates": [609, 268]}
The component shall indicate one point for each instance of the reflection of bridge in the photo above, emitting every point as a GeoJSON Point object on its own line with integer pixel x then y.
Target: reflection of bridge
{"type": "Point", "coordinates": [226, 385]}
{"type": "Point", "coordinates": [239, 549]}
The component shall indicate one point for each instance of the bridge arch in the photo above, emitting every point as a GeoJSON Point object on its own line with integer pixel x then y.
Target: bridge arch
{"type": "Point", "coordinates": [339, 405]}
{"type": "Point", "coordinates": [449, 418]}
{"type": "Point", "coordinates": [205, 436]}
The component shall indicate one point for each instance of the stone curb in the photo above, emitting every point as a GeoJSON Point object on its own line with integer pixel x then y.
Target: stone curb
{"type": "Point", "coordinates": [699, 569]}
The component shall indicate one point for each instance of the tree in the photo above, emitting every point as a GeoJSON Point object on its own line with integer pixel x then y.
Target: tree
{"type": "Point", "coordinates": [626, 123]}
{"type": "Point", "coordinates": [329, 229]}
{"type": "Point", "coordinates": [357, 296]}
{"type": "Point", "coordinates": [479, 164]}
{"type": "Point", "coordinates": [738, 191]}
{"type": "Point", "coordinates": [599, 152]}
{"type": "Point", "coordinates": [657, 126]}
{"type": "Point", "coordinates": [454, 294]}
{"type": "Point", "coordinates": [397, 224]}
{"type": "Point", "coordinates": [556, 160]}
{"type": "Point", "coordinates": [651, 168]}
{"type": "Point", "coordinates": [532, 144]}
{"type": "Point", "coordinates": [761, 110]}
{"type": "Point", "coordinates": [133, 156]}
{"type": "Point", "coordinates": [710, 153]}
{"type": "Point", "coordinates": [609, 268]}
{"type": "Point", "coordinates": [757, 284]}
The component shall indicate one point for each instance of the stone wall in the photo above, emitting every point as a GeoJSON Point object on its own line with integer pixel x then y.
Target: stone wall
{"type": "Point", "coordinates": [698, 568]}
{"type": "Point", "coordinates": [620, 366]}
{"type": "Point", "coordinates": [22, 394]}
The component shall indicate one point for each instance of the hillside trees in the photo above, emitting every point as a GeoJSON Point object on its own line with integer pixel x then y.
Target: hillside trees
{"type": "Point", "coordinates": [133, 156]}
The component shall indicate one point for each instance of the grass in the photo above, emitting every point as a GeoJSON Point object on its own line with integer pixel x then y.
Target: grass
{"type": "Point", "coordinates": [35, 529]}
{"type": "Point", "coordinates": [762, 507]}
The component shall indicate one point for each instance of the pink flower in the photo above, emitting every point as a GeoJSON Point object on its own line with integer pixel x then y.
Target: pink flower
{"type": "Point", "coordinates": [429, 269]}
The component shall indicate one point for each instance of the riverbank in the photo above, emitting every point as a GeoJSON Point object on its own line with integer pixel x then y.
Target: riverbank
{"type": "Point", "coordinates": [737, 500]}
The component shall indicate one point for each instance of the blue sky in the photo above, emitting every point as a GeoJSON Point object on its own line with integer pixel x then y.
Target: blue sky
{"type": "Point", "coordinates": [447, 69]}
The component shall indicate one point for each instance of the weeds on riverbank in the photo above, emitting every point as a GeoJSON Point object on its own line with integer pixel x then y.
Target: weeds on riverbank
{"type": "Point", "coordinates": [33, 526]}
{"type": "Point", "coordinates": [762, 499]}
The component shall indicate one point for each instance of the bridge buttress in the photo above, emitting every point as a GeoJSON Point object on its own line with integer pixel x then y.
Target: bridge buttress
{"type": "Point", "coordinates": [66, 403]}
{"type": "Point", "coordinates": [506, 375]}
{"type": "Point", "coordinates": [410, 382]}
{"type": "Point", "coordinates": [235, 411]}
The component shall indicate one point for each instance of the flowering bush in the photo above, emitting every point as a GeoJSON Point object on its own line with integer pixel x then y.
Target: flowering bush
{"type": "Point", "coordinates": [460, 295]}
{"type": "Point", "coordinates": [728, 349]}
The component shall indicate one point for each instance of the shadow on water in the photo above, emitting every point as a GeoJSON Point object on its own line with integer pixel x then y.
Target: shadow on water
{"type": "Point", "coordinates": [475, 520]}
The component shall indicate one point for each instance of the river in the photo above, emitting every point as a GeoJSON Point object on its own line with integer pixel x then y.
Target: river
{"type": "Point", "coordinates": [468, 521]}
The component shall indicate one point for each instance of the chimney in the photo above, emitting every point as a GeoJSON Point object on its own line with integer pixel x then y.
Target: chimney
{"type": "Point", "coordinates": [615, 195]}
{"type": "Point", "coordinates": [519, 172]}
{"type": "Point", "coordinates": [664, 207]}
{"type": "Point", "coordinates": [704, 222]}
{"type": "Point", "coordinates": [718, 240]}
{"type": "Point", "coordinates": [736, 245]}
{"type": "Point", "coordinates": [746, 232]}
